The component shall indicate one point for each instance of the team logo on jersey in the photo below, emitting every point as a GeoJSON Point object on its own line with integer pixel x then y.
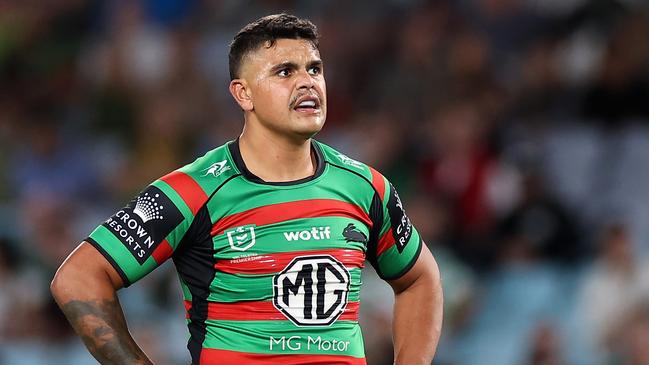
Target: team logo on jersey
{"type": "Point", "coordinates": [312, 290]}
{"type": "Point", "coordinates": [241, 238]}
{"type": "Point", "coordinates": [217, 168]}
{"type": "Point", "coordinates": [349, 161]}
{"type": "Point", "coordinates": [141, 225]}
{"type": "Point", "coordinates": [353, 234]}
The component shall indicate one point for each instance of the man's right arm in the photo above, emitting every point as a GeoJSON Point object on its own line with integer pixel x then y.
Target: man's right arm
{"type": "Point", "coordinates": [85, 289]}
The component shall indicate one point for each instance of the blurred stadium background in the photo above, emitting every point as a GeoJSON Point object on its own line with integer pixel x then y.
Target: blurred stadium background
{"type": "Point", "coordinates": [517, 132]}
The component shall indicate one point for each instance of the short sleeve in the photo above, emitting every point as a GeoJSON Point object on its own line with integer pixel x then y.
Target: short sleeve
{"type": "Point", "coordinates": [394, 244]}
{"type": "Point", "coordinates": [146, 232]}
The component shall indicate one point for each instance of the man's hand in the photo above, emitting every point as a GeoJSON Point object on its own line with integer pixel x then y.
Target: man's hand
{"type": "Point", "coordinates": [85, 288]}
{"type": "Point", "coordinates": [417, 312]}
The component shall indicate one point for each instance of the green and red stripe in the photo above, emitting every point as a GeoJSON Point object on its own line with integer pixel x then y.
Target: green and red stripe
{"type": "Point", "coordinates": [260, 311]}
{"type": "Point", "coordinates": [188, 189]}
{"type": "Point", "coordinates": [225, 357]}
{"type": "Point", "coordinates": [378, 182]}
{"type": "Point", "coordinates": [299, 209]}
{"type": "Point", "coordinates": [162, 252]}
{"type": "Point", "coordinates": [385, 242]}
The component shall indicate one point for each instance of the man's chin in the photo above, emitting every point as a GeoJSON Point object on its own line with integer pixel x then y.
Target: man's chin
{"type": "Point", "coordinates": [309, 128]}
{"type": "Point", "coordinates": [308, 134]}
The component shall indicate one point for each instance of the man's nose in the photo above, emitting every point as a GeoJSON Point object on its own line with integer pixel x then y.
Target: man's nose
{"type": "Point", "coordinates": [305, 80]}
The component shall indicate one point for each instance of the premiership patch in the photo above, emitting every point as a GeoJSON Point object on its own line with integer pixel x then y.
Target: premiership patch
{"type": "Point", "coordinates": [144, 222]}
{"type": "Point", "coordinates": [399, 221]}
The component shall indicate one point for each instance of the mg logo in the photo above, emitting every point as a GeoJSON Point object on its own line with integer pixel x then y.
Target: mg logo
{"type": "Point", "coordinates": [312, 290]}
{"type": "Point", "coordinates": [241, 238]}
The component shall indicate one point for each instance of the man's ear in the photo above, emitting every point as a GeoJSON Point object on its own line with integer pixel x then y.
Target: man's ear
{"type": "Point", "coordinates": [241, 94]}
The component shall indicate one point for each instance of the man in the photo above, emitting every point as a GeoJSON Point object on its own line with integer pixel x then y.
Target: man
{"type": "Point", "coordinates": [268, 233]}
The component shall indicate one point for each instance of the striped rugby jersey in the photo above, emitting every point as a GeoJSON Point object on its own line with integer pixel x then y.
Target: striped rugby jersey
{"type": "Point", "coordinates": [270, 272]}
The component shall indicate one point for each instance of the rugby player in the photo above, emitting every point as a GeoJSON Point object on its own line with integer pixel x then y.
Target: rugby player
{"type": "Point", "coordinates": [268, 233]}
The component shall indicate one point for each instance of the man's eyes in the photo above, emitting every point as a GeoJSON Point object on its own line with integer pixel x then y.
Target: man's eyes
{"type": "Point", "coordinates": [313, 71]}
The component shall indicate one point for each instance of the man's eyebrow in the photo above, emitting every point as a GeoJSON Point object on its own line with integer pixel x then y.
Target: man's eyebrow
{"type": "Point", "coordinates": [283, 65]}
{"type": "Point", "coordinates": [294, 66]}
{"type": "Point", "coordinates": [315, 63]}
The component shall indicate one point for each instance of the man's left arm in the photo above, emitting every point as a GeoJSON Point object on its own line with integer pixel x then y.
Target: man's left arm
{"type": "Point", "coordinates": [417, 323]}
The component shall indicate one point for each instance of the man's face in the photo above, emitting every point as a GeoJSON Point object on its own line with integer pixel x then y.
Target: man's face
{"type": "Point", "coordinates": [286, 87]}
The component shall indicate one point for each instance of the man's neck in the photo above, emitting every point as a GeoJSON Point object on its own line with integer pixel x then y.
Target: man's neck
{"type": "Point", "coordinates": [275, 159]}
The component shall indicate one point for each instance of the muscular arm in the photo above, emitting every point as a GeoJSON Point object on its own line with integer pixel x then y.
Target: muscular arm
{"type": "Point", "coordinates": [85, 288]}
{"type": "Point", "coordinates": [417, 312]}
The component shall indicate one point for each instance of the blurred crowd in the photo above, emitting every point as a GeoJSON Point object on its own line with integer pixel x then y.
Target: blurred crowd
{"type": "Point", "coordinates": [517, 132]}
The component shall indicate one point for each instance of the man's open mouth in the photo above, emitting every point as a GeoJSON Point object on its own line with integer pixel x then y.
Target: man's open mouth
{"type": "Point", "coordinates": [307, 103]}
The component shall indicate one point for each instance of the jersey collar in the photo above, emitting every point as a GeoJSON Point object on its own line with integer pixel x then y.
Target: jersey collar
{"type": "Point", "coordinates": [235, 151]}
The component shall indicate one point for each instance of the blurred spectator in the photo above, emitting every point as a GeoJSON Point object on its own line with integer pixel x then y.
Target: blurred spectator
{"type": "Point", "coordinates": [458, 167]}
{"type": "Point", "coordinates": [621, 90]}
{"type": "Point", "coordinates": [546, 347]}
{"type": "Point", "coordinates": [615, 286]}
{"type": "Point", "coordinates": [17, 302]}
{"type": "Point", "coordinates": [415, 83]}
{"type": "Point", "coordinates": [630, 341]}
{"type": "Point", "coordinates": [48, 163]}
{"type": "Point", "coordinates": [544, 223]}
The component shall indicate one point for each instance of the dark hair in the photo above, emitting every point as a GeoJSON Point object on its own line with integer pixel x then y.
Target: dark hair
{"type": "Point", "coordinates": [267, 30]}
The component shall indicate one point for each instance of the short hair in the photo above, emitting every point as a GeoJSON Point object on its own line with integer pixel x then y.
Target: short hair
{"type": "Point", "coordinates": [268, 30]}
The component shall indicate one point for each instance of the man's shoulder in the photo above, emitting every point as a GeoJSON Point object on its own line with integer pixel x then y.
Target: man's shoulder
{"type": "Point", "coordinates": [337, 158]}
{"type": "Point", "coordinates": [210, 170]}
{"type": "Point", "coordinates": [352, 166]}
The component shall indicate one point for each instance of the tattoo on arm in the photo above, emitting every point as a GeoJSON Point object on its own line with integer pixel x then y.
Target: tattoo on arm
{"type": "Point", "coordinates": [102, 327]}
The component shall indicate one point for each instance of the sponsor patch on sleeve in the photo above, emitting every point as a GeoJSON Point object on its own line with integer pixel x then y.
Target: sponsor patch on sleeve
{"type": "Point", "coordinates": [399, 221]}
{"type": "Point", "coordinates": [144, 222]}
